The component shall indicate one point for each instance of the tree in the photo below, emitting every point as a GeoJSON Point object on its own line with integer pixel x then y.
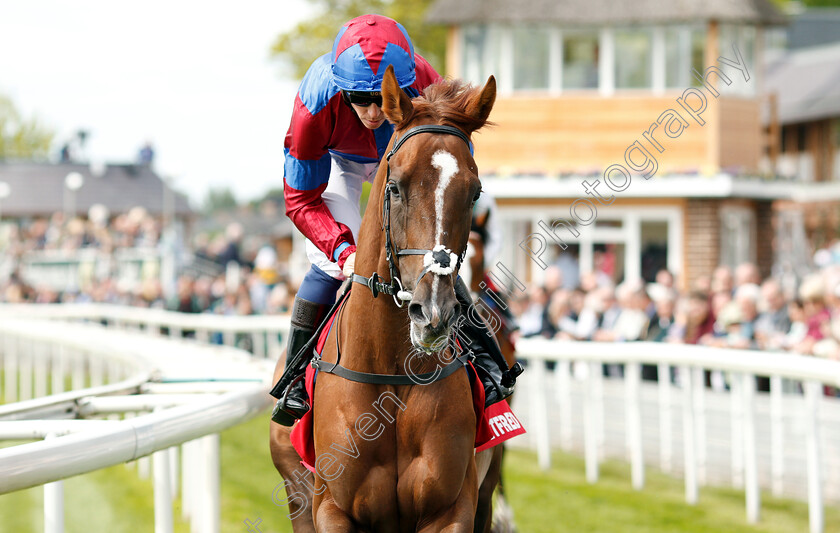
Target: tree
{"type": "Point", "coordinates": [219, 199]}
{"type": "Point", "coordinates": [19, 138]}
{"type": "Point", "coordinates": [314, 37]}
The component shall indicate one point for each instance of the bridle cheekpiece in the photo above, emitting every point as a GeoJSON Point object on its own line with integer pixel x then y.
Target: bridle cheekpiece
{"type": "Point", "coordinates": [440, 260]}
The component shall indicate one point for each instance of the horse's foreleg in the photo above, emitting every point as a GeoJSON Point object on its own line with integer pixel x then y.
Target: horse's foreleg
{"type": "Point", "coordinates": [484, 511]}
{"type": "Point", "coordinates": [460, 516]}
{"type": "Point", "coordinates": [287, 462]}
{"type": "Point", "coordinates": [329, 518]}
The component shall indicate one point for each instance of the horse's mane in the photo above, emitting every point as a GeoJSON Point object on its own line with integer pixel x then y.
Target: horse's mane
{"type": "Point", "coordinates": [444, 102]}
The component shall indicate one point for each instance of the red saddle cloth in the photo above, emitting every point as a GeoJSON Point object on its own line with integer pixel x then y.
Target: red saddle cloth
{"type": "Point", "coordinates": [494, 425]}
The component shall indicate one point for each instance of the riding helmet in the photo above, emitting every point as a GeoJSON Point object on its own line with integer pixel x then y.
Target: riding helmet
{"type": "Point", "coordinates": [363, 49]}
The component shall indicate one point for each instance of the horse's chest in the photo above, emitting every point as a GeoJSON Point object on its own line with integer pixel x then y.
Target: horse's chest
{"type": "Point", "coordinates": [397, 461]}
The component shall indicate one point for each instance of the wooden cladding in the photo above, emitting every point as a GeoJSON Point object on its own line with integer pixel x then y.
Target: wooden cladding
{"type": "Point", "coordinates": [586, 133]}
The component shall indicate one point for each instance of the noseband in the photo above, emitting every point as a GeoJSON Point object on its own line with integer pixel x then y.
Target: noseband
{"type": "Point", "coordinates": [439, 260]}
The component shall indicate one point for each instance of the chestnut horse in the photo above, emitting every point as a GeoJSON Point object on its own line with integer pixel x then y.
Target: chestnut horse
{"type": "Point", "coordinates": [400, 457]}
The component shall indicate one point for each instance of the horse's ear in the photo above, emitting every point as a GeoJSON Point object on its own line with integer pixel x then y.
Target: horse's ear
{"type": "Point", "coordinates": [480, 105]}
{"type": "Point", "coordinates": [396, 104]}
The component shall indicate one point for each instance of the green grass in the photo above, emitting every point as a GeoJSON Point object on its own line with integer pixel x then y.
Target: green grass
{"type": "Point", "coordinates": [68, 385]}
{"type": "Point", "coordinates": [560, 500]}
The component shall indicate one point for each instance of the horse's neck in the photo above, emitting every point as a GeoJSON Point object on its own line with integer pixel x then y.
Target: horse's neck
{"type": "Point", "coordinates": [374, 332]}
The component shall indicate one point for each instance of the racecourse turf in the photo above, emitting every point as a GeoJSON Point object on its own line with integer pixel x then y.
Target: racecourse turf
{"type": "Point", "coordinates": [115, 500]}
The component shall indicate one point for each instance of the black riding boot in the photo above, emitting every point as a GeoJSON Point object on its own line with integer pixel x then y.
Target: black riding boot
{"type": "Point", "coordinates": [293, 404]}
{"type": "Point", "coordinates": [492, 369]}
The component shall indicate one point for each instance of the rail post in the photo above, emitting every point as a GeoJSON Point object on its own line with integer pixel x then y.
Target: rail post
{"type": "Point", "coordinates": [633, 378]}
{"type": "Point", "coordinates": [663, 372]}
{"type": "Point", "coordinates": [162, 492]}
{"type": "Point", "coordinates": [813, 391]}
{"type": "Point", "coordinates": [777, 435]}
{"type": "Point", "coordinates": [751, 488]}
{"type": "Point", "coordinates": [689, 438]}
{"type": "Point", "coordinates": [53, 504]}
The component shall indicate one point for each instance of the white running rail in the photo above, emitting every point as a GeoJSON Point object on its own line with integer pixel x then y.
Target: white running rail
{"type": "Point", "coordinates": [594, 400]}
{"type": "Point", "coordinates": [265, 333]}
{"type": "Point", "coordinates": [132, 396]}
{"type": "Point", "coordinates": [786, 440]}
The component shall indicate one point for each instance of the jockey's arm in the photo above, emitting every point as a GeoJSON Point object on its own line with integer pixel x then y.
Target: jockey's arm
{"type": "Point", "coordinates": [307, 170]}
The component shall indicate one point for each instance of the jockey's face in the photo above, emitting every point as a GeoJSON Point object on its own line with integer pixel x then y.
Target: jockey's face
{"type": "Point", "coordinates": [371, 115]}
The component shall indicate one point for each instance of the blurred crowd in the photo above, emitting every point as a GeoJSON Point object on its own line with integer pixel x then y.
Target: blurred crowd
{"type": "Point", "coordinates": [732, 308]}
{"type": "Point", "coordinates": [220, 276]}
{"type": "Point", "coordinates": [134, 229]}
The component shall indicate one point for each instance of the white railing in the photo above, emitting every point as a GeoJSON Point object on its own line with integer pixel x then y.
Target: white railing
{"type": "Point", "coordinates": [265, 333]}
{"type": "Point", "coordinates": [786, 440]}
{"type": "Point", "coordinates": [72, 270]}
{"type": "Point", "coordinates": [69, 270]}
{"type": "Point", "coordinates": [133, 395]}
{"type": "Point", "coordinates": [727, 433]}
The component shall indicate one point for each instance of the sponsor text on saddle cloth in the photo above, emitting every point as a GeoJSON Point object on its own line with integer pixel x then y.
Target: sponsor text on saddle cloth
{"type": "Point", "coordinates": [494, 425]}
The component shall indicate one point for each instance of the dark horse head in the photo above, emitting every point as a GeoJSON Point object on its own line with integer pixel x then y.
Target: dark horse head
{"type": "Point", "coordinates": [433, 182]}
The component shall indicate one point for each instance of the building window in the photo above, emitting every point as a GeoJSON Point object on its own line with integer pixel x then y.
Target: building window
{"type": "Point", "coordinates": [684, 51]}
{"type": "Point", "coordinates": [580, 60]}
{"type": "Point", "coordinates": [633, 59]}
{"type": "Point", "coordinates": [744, 38]}
{"type": "Point", "coordinates": [737, 228]}
{"type": "Point", "coordinates": [482, 53]}
{"type": "Point", "coordinates": [530, 57]}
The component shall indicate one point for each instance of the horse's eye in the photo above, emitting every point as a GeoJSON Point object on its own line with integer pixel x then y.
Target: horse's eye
{"type": "Point", "coordinates": [476, 197]}
{"type": "Point", "coordinates": [393, 189]}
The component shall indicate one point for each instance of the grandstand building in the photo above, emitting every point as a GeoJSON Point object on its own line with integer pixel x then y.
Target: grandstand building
{"type": "Point", "coordinates": [634, 137]}
{"type": "Point", "coordinates": [40, 189]}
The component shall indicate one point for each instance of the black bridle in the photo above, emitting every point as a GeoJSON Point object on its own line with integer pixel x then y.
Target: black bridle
{"type": "Point", "coordinates": [440, 257]}
{"type": "Point", "coordinates": [394, 287]}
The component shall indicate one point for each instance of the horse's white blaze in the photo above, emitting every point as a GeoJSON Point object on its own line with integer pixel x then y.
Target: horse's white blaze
{"type": "Point", "coordinates": [448, 166]}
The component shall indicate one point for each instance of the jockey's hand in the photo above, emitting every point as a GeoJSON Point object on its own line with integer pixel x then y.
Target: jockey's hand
{"type": "Point", "coordinates": [349, 265]}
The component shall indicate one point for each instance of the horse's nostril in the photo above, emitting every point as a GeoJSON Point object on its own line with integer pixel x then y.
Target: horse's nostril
{"type": "Point", "coordinates": [415, 312]}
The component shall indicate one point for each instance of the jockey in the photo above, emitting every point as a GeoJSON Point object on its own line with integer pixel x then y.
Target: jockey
{"type": "Point", "coordinates": [337, 136]}
{"type": "Point", "coordinates": [485, 221]}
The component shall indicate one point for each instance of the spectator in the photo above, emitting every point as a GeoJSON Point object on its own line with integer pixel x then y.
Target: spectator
{"type": "Point", "coordinates": [184, 301]}
{"type": "Point", "coordinates": [665, 278]}
{"type": "Point", "coordinates": [664, 301]}
{"type": "Point", "coordinates": [722, 280]}
{"type": "Point", "coordinates": [694, 319]}
{"type": "Point", "coordinates": [597, 304]}
{"type": "Point", "coordinates": [632, 320]}
{"type": "Point", "coordinates": [817, 316]}
{"type": "Point", "coordinates": [747, 273]}
{"type": "Point", "coordinates": [535, 320]}
{"type": "Point", "coordinates": [746, 297]}
{"type": "Point", "coordinates": [798, 325]}
{"type": "Point", "coordinates": [774, 322]}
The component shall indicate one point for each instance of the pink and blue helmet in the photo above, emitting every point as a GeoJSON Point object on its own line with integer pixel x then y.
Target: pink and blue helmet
{"type": "Point", "coordinates": [363, 49]}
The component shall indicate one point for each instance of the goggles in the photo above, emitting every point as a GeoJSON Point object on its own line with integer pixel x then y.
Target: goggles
{"type": "Point", "coordinates": [363, 98]}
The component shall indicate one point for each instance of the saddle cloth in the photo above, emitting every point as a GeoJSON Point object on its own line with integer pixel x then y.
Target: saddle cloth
{"type": "Point", "coordinates": [494, 425]}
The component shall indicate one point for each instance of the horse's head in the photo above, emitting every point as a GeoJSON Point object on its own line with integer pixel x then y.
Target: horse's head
{"type": "Point", "coordinates": [432, 183]}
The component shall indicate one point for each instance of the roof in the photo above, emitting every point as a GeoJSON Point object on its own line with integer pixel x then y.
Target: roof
{"type": "Point", "coordinates": [721, 185]}
{"type": "Point", "coordinates": [814, 27]}
{"type": "Point", "coordinates": [38, 189]}
{"type": "Point", "coordinates": [807, 83]}
{"type": "Point", "coordinates": [603, 12]}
